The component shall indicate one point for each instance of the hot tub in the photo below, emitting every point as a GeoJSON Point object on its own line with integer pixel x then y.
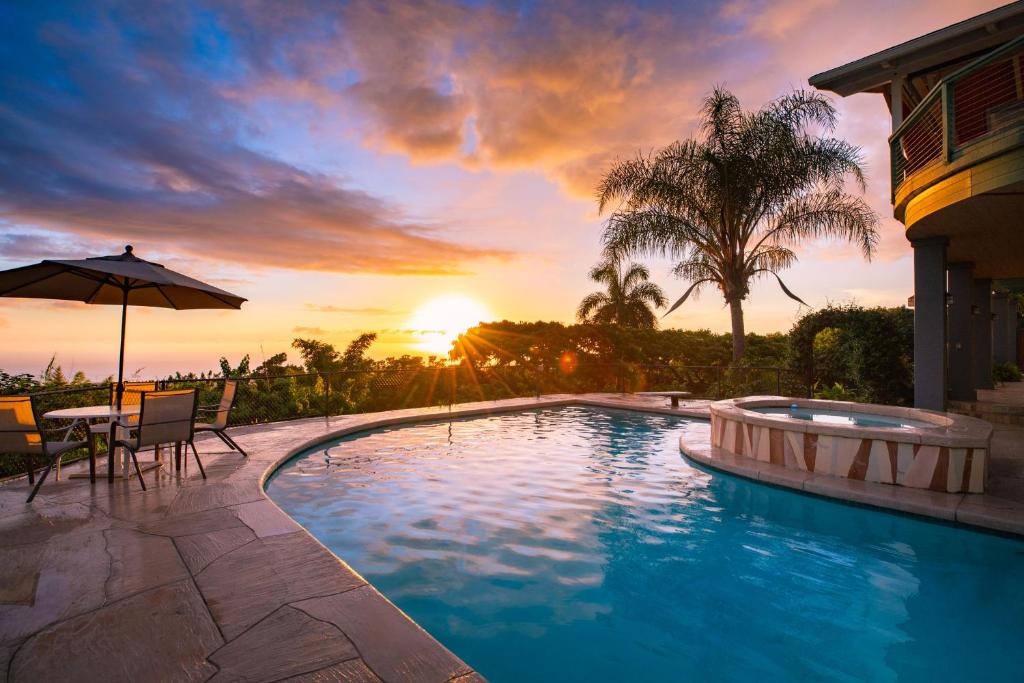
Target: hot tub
{"type": "Point", "coordinates": [868, 442]}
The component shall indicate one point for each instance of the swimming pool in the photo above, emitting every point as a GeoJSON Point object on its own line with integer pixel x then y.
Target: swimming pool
{"type": "Point", "coordinates": [578, 544]}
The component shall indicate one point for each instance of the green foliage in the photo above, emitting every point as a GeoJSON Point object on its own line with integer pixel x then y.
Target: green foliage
{"type": "Point", "coordinates": [868, 351]}
{"type": "Point", "coordinates": [1006, 372]}
{"type": "Point", "coordinates": [317, 356]}
{"type": "Point", "coordinates": [17, 384]}
{"type": "Point", "coordinates": [241, 371]}
{"type": "Point", "coordinates": [836, 392]}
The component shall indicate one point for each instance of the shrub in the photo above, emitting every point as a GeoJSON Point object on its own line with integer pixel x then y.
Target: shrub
{"type": "Point", "coordinates": [868, 351]}
{"type": "Point", "coordinates": [1006, 372]}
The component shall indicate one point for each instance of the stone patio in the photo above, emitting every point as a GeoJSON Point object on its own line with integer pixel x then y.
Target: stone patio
{"type": "Point", "coordinates": [209, 580]}
{"type": "Point", "coordinates": [197, 580]}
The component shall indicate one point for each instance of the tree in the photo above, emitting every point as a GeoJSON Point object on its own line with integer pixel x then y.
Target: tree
{"type": "Point", "coordinates": [319, 357]}
{"type": "Point", "coordinates": [628, 299]}
{"type": "Point", "coordinates": [730, 204]}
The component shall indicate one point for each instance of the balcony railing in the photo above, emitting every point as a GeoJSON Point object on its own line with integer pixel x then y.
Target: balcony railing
{"type": "Point", "coordinates": [982, 99]}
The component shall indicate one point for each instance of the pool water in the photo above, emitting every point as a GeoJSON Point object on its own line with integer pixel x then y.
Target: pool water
{"type": "Point", "coordinates": [843, 418]}
{"type": "Point", "coordinates": [577, 544]}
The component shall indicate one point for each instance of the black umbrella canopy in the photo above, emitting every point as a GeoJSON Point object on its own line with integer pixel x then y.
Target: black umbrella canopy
{"type": "Point", "coordinates": [124, 280]}
{"type": "Point", "coordinates": [106, 279]}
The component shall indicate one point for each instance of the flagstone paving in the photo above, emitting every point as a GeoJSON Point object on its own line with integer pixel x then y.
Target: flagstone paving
{"type": "Point", "coordinates": [196, 579]}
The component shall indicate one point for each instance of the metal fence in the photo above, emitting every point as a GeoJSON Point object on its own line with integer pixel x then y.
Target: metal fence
{"type": "Point", "coordinates": [270, 398]}
{"type": "Point", "coordinates": [273, 398]}
{"type": "Point", "coordinates": [980, 100]}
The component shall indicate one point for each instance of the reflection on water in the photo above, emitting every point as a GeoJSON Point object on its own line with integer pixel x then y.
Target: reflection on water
{"type": "Point", "coordinates": [577, 544]}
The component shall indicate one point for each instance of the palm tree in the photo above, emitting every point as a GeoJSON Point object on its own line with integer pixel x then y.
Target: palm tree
{"type": "Point", "coordinates": [730, 204]}
{"type": "Point", "coordinates": [628, 299]}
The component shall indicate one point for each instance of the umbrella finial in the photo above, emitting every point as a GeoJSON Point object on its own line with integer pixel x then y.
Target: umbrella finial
{"type": "Point", "coordinates": [128, 249]}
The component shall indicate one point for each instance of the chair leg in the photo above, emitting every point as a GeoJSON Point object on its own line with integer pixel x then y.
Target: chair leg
{"type": "Point", "coordinates": [231, 443]}
{"type": "Point", "coordinates": [138, 471]}
{"type": "Point", "coordinates": [198, 461]}
{"type": "Point", "coordinates": [110, 459]}
{"type": "Point", "coordinates": [30, 469]}
{"type": "Point", "coordinates": [223, 437]}
{"type": "Point", "coordinates": [42, 478]}
{"type": "Point", "coordinates": [92, 459]}
{"type": "Point", "coordinates": [177, 457]}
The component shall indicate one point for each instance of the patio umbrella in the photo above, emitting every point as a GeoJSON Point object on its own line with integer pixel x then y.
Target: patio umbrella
{"type": "Point", "coordinates": [124, 280]}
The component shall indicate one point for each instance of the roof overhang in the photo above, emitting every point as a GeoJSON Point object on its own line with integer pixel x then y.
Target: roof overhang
{"type": "Point", "coordinates": [958, 42]}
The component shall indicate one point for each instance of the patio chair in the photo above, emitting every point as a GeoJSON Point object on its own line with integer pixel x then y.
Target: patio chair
{"type": "Point", "coordinates": [220, 420]}
{"type": "Point", "coordinates": [21, 434]}
{"type": "Point", "coordinates": [132, 395]}
{"type": "Point", "coordinates": [165, 417]}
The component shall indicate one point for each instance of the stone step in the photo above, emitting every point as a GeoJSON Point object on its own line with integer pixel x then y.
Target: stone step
{"type": "Point", "coordinates": [996, 413]}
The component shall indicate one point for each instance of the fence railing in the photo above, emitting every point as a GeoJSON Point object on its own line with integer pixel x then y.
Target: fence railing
{"type": "Point", "coordinates": [273, 398]}
{"type": "Point", "coordinates": [270, 398]}
{"type": "Point", "coordinates": [981, 99]}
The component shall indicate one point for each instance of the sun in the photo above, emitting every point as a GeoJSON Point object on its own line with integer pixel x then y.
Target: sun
{"type": "Point", "coordinates": [437, 323]}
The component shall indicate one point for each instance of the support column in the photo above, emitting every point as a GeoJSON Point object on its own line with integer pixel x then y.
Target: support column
{"type": "Point", "coordinates": [981, 320]}
{"type": "Point", "coordinates": [1011, 329]}
{"type": "Point", "coordinates": [1000, 350]}
{"type": "Point", "coordinates": [961, 349]}
{"type": "Point", "coordinates": [930, 323]}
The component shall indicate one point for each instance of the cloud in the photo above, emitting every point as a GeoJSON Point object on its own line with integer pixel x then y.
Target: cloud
{"type": "Point", "coordinates": [113, 130]}
{"type": "Point", "coordinates": [357, 311]}
{"type": "Point", "coordinates": [315, 331]}
{"type": "Point", "coordinates": [119, 123]}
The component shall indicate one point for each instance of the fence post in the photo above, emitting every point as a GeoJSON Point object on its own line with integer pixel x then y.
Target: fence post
{"type": "Point", "coordinates": [327, 395]}
{"type": "Point", "coordinates": [718, 392]}
{"type": "Point", "coordinates": [778, 381]}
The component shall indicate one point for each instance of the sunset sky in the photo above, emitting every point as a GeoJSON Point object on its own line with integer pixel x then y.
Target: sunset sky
{"type": "Point", "coordinates": [343, 164]}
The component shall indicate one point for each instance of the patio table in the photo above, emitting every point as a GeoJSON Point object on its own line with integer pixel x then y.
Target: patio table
{"type": "Point", "coordinates": [111, 414]}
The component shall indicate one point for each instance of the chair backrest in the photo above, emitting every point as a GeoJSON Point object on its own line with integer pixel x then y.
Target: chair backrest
{"type": "Point", "coordinates": [166, 416]}
{"type": "Point", "coordinates": [19, 431]}
{"type": "Point", "coordinates": [227, 401]}
{"type": "Point", "coordinates": [132, 392]}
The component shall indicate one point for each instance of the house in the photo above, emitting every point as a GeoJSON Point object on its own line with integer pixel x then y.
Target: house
{"type": "Point", "coordinates": [956, 98]}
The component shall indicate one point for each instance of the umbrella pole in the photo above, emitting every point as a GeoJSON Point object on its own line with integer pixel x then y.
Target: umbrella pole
{"type": "Point", "coordinates": [120, 361]}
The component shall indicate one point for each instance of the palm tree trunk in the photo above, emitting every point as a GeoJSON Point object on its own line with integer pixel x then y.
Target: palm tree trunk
{"type": "Point", "coordinates": [739, 337]}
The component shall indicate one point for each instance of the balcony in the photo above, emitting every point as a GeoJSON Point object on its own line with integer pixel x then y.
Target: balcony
{"type": "Point", "coordinates": [965, 139]}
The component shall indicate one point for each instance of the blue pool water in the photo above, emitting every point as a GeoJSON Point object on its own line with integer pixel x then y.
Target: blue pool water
{"type": "Point", "coordinates": [578, 545]}
{"type": "Point", "coordinates": [842, 418]}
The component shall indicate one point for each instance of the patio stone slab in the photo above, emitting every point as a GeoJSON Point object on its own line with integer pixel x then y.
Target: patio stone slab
{"type": "Point", "coordinates": [160, 635]}
{"type": "Point", "coordinates": [247, 584]}
{"type": "Point", "coordinates": [265, 519]}
{"type": "Point", "coordinates": [352, 671]}
{"type": "Point", "coordinates": [138, 506]}
{"type": "Point", "coordinates": [287, 643]}
{"type": "Point", "coordinates": [201, 549]}
{"type": "Point", "coordinates": [139, 561]}
{"type": "Point", "coordinates": [212, 494]}
{"type": "Point", "coordinates": [195, 523]}
{"type": "Point", "coordinates": [70, 579]}
{"type": "Point", "coordinates": [394, 646]}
